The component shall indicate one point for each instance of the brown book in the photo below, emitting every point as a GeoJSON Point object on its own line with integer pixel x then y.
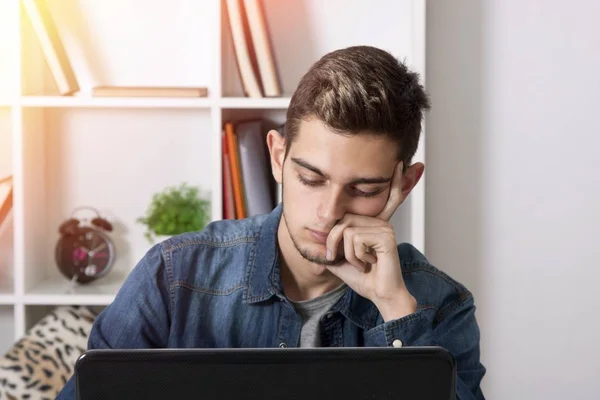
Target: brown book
{"type": "Point", "coordinates": [51, 44]}
{"type": "Point", "coordinates": [144, 91]}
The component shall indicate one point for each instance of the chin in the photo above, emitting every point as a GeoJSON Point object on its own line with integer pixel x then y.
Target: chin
{"type": "Point", "coordinates": [307, 247]}
{"type": "Point", "coordinates": [310, 251]}
{"type": "Point", "coordinates": [315, 253]}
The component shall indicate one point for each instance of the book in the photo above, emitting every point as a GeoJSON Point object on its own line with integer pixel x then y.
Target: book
{"type": "Point", "coordinates": [54, 52]}
{"type": "Point", "coordinates": [262, 48]}
{"type": "Point", "coordinates": [243, 49]}
{"type": "Point", "coordinates": [6, 198]}
{"type": "Point", "coordinates": [255, 165]}
{"type": "Point", "coordinates": [144, 91]}
{"type": "Point", "coordinates": [228, 200]}
{"type": "Point", "coordinates": [236, 171]}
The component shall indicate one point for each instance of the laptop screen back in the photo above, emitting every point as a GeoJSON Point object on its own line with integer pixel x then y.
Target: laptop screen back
{"type": "Point", "coordinates": [291, 374]}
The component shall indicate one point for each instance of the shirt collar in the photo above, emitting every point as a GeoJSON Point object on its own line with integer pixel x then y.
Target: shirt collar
{"type": "Point", "coordinates": [264, 280]}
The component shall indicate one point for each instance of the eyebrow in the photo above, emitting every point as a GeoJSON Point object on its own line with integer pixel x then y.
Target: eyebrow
{"type": "Point", "coordinates": [354, 181]}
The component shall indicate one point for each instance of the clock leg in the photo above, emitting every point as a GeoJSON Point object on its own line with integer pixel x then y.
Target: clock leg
{"type": "Point", "coordinates": [73, 283]}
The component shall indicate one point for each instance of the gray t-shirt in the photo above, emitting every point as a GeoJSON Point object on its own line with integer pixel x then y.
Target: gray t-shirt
{"type": "Point", "coordinates": [312, 311]}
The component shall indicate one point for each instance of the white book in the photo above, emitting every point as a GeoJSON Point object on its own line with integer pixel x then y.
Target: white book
{"type": "Point", "coordinates": [242, 49]}
{"type": "Point", "coordinates": [51, 45]}
{"type": "Point", "coordinates": [262, 48]}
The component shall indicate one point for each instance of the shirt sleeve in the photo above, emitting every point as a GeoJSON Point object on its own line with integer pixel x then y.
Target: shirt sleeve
{"type": "Point", "coordinates": [454, 328]}
{"type": "Point", "coordinates": [139, 316]}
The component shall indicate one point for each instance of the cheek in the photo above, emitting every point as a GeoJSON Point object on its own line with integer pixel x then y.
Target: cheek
{"type": "Point", "coordinates": [369, 207]}
{"type": "Point", "coordinates": [298, 197]}
{"type": "Point", "coordinates": [297, 192]}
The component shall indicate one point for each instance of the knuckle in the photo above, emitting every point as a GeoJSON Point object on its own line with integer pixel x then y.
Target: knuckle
{"type": "Point", "coordinates": [349, 233]}
{"type": "Point", "coordinates": [344, 220]}
{"type": "Point", "coordinates": [388, 230]}
{"type": "Point", "coordinates": [348, 243]}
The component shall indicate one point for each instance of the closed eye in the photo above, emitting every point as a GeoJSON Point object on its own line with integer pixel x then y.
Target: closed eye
{"type": "Point", "coordinates": [309, 182]}
{"type": "Point", "coordinates": [354, 191]}
{"type": "Point", "coordinates": [367, 194]}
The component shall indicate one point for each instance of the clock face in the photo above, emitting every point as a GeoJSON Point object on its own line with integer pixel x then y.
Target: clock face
{"type": "Point", "coordinates": [89, 254]}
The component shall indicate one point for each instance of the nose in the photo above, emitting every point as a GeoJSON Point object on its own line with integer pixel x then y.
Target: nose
{"type": "Point", "coordinates": [332, 206]}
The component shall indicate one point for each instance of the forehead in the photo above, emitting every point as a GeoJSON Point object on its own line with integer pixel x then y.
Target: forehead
{"type": "Point", "coordinates": [358, 154]}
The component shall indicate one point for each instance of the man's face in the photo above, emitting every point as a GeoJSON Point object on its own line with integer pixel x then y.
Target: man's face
{"type": "Point", "coordinates": [327, 175]}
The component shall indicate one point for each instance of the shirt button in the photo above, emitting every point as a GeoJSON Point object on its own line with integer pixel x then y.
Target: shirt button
{"type": "Point", "coordinates": [397, 343]}
{"type": "Point", "coordinates": [282, 345]}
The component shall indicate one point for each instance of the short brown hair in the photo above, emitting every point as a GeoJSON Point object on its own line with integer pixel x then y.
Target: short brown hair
{"type": "Point", "coordinates": [361, 89]}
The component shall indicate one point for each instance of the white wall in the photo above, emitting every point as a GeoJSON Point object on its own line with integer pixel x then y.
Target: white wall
{"type": "Point", "coordinates": [513, 184]}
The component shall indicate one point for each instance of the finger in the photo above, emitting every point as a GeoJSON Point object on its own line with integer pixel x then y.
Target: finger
{"type": "Point", "coordinates": [369, 244]}
{"type": "Point", "coordinates": [363, 252]}
{"type": "Point", "coordinates": [337, 232]}
{"type": "Point", "coordinates": [395, 197]}
{"type": "Point", "coordinates": [349, 252]}
{"type": "Point", "coordinates": [362, 240]}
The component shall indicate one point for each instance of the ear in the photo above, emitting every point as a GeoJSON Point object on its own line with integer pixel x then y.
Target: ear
{"type": "Point", "coordinates": [276, 144]}
{"type": "Point", "coordinates": [411, 177]}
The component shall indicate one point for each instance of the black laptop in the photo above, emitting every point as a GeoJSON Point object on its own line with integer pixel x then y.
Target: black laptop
{"type": "Point", "coordinates": [415, 373]}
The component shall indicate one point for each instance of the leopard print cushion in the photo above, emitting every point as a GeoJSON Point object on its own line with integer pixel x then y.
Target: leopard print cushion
{"type": "Point", "coordinates": [40, 363]}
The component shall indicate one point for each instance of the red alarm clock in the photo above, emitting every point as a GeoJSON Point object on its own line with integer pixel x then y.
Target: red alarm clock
{"type": "Point", "coordinates": [84, 252]}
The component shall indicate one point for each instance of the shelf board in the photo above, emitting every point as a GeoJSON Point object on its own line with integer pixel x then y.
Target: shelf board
{"type": "Point", "coordinates": [7, 299]}
{"type": "Point", "coordinates": [253, 103]}
{"type": "Point", "coordinates": [114, 102]}
{"type": "Point", "coordinates": [58, 291]}
{"type": "Point", "coordinates": [6, 291]}
{"type": "Point", "coordinates": [278, 103]}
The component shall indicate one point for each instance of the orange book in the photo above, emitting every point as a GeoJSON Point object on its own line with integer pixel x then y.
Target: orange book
{"type": "Point", "coordinates": [236, 171]}
{"type": "Point", "coordinates": [228, 201]}
{"type": "Point", "coordinates": [6, 198]}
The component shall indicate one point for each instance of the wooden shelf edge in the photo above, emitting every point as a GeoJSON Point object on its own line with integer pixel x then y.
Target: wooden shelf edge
{"type": "Point", "coordinates": [255, 103]}
{"type": "Point", "coordinates": [114, 102]}
{"type": "Point", "coordinates": [56, 290]}
{"type": "Point", "coordinates": [7, 102]}
{"type": "Point", "coordinates": [279, 103]}
{"type": "Point", "coordinates": [67, 299]}
{"type": "Point", "coordinates": [8, 299]}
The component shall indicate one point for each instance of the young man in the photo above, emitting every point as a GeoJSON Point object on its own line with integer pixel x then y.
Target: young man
{"type": "Point", "coordinates": [323, 268]}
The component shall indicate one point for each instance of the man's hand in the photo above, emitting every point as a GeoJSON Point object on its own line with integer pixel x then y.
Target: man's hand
{"type": "Point", "coordinates": [372, 266]}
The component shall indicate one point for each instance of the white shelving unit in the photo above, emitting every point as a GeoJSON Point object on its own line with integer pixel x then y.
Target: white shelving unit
{"type": "Point", "coordinates": [114, 153]}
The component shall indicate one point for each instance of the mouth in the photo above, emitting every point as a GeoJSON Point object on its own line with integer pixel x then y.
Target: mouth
{"type": "Point", "coordinates": [320, 237]}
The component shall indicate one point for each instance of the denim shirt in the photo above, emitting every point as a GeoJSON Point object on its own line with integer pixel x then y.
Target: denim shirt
{"type": "Point", "coordinates": [210, 289]}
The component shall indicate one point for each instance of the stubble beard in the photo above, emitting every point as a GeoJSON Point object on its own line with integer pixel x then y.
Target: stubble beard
{"type": "Point", "coordinates": [304, 252]}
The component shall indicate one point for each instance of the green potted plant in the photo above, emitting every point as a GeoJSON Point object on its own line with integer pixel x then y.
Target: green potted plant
{"type": "Point", "coordinates": [175, 210]}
